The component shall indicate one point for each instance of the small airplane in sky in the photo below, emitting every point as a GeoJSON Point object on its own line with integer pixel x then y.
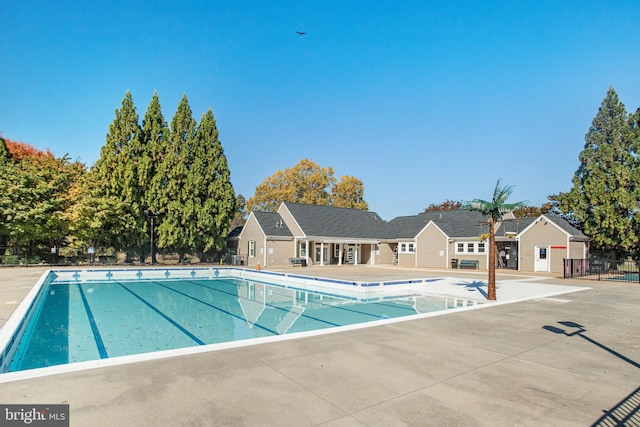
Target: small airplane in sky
{"type": "Point", "coordinates": [300, 33]}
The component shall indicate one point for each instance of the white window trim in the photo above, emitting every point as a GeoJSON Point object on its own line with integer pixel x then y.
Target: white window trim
{"type": "Point", "coordinates": [252, 248]}
{"type": "Point", "coordinates": [406, 247]}
{"type": "Point", "coordinates": [475, 245]}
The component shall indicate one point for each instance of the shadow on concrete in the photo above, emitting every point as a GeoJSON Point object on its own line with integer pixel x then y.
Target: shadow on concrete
{"type": "Point", "coordinates": [476, 285]}
{"type": "Point", "coordinates": [627, 411]}
{"type": "Point", "coordinates": [579, 329]}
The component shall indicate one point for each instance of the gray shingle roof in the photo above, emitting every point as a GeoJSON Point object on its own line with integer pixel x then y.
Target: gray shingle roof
{"type": "Point", "coordinates": [272, 224]}
{"type": "Point", "coordinates": [329, 221]}
{"type": "Point", "coordinates": [332, 222]}
{"type": "Point", "coordinates": [458, 223]}
{"type": "Point", "coordinates": [515, 225]}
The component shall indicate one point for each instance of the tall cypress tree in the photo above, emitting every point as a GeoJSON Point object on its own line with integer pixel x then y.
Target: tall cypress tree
{"type": "Point", "coordinates": [118, 190]}
{"type": "Point", "coordinates": [210, 186]}
{"type": "Point", "coordinates": [173, 171]}
{"type": "Point", "coordinates": [154, 143]}
{"type": "Point", "coordinates": [604, 198]}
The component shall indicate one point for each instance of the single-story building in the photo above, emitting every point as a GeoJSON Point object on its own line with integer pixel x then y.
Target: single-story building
{"type": "Point", "coordinates": [326, 235]}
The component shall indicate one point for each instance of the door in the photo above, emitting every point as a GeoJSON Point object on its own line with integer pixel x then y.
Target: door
{"type": "Point", "coordinates": [350, 258]}
{"type": "Point", "coordinates": [322, 251]}
{"type": "Point", "coordinates": [541, 262]}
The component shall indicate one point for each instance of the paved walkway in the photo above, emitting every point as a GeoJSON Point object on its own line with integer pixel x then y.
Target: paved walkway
{"type": "Point", "coordinates": [559, 361]}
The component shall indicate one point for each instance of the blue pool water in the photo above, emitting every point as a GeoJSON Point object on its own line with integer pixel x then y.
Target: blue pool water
{"type": "Point", "coordinates": [76, 322]}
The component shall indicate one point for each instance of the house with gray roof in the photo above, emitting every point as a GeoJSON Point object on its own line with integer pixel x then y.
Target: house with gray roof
{"type": "Point", "coordinates": [327, 235]}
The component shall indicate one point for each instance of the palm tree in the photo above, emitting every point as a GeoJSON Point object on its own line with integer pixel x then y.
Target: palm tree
{"type": "Point", "coordinates": [494, 210]}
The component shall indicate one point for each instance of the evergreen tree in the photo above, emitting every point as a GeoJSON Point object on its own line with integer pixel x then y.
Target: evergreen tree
{"type": "Point", "coordinates": [154, 142]}
{"type": "Point", "coordinates": [4, 152]}
{"type": "Point", "coordinates": [155, 135]}
{"type": "Point", "coordinates": [119, 197]}
{"type": "Point", "coordinates": [604, 200]}
{"type": "Point", "coordinates": [172, 176]}
{"type": "Point", "coordinates": [212, 199]}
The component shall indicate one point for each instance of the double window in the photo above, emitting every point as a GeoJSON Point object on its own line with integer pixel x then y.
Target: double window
{"type": "Point", "coordinates": [407, 247]}
{"type": "Point", "coordinates": [470, 247]}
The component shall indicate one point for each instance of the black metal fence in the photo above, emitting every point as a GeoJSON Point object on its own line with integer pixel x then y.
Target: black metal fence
{"type": "Point", "coordinates": [602, 269]}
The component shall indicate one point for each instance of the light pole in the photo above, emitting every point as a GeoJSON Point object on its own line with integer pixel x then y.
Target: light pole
{"type": "Point", "coordinates": [152, 216]}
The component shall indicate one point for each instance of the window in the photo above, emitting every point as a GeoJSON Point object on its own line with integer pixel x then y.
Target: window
{"type": "Point", "coordinates": [407, 248]}
{"type": "Point", "coordinates": [252, 248]}
{"type": "Point", "coordinates": [471, 247]}
{"type": "Point", "coordinates": [302, 249]}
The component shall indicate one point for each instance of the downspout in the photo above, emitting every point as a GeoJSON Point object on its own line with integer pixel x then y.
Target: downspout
{"type": "Point", "coordinates": [264, 254]}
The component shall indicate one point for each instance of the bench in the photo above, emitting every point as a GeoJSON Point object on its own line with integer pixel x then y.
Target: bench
{"type": "Point", "coordinates": [469, 263]}
{"type": "Point", "coordinates": [302, 262]}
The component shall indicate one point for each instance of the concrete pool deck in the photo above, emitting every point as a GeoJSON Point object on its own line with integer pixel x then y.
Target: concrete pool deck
{"type": "Point", "coordinates": [558, 360]}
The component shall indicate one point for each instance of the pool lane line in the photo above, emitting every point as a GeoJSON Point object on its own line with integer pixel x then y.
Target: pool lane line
{"type": "Point", "coordinates": [335, 307]}
{"type": "Point", "coordinates": [167, 318]}
{"type": "Point", "coordinates": [264, 328]}
{"type": "Point", "coordinates": [94, 327]}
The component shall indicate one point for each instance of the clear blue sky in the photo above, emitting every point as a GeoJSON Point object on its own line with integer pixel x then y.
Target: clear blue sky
{"type": "Point", "coordinates": [422, 100]}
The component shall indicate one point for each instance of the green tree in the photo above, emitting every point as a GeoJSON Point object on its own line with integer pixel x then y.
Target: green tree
{"type": "Point", "coordinates": [348, 193]}
{"type": "Point", "coordinates": [154, 142]}
{"type": "Point", "coordinates": [116, 188]}
{"type": "Point", "coordinates": [307, 182]}
{"type": "Point", "coordinates": [494, 210]}
{"type": "Point", "coordinates": [4, 151]}
{"type": "Point", "coordinates": [174, 202]}
{"type": "Point", "coordinates": [211, 204]}
{"type": "Point", "coordinates": [5, 165]}
{"type": "Point", "coordinates": [604, 199]}
{"type": "Point", "coordinates": [155, 138]}
{"type": "Point", "coordinates": [36, 200]}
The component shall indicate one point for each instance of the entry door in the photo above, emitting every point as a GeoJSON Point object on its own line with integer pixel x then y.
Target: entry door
{"type": "Point", "coordinates": [542, 258]}
{"type": "Point", "coordinates": [350, 257]}
{"type": "Point", "coordinates": [325, 254]}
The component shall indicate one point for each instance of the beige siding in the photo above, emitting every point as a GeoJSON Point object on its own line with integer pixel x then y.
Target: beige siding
{"type": "Point", "coordinates": [278, 253]}
{"type": "Point", "coordinates": [251, 231]}
{"type": "Point", "coordinates": [365, 254]}
{"type": "Point", "coordinates": [481, 257]}
{"type": "Point", "coordinates": [577, 250]}
{"type": "Point", "coordinates": [386, 254]}
{"type": "Point", "coordinates": [432, 248]}
{"type": "Point", "coordinates": [540, 234]}
{"type": "Point", "coordinates": [406, 260]}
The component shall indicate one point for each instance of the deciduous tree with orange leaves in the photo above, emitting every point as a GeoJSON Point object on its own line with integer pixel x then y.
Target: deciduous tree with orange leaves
{"type": "Point", "coordinates": [307, 182]}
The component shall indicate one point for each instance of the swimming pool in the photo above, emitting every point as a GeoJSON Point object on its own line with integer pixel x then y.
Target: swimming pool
{"type": "Point", "coordinates": [75, 316]}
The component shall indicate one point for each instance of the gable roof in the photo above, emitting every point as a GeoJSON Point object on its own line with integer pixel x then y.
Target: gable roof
{"type": "Point", "coordinates": [330, 221]}
{"type": "Point", "coordinates": [458, 223]}
{"type": "Point", "coordinates": [565, 226]}
{"type": "Point", "coordinates": [272, 224]}
{"type": "Point", "coordinates": [514, 225]}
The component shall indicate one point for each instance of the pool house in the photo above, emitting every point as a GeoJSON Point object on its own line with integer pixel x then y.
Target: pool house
{"type": "Point", "coordinates": [303, 234]}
